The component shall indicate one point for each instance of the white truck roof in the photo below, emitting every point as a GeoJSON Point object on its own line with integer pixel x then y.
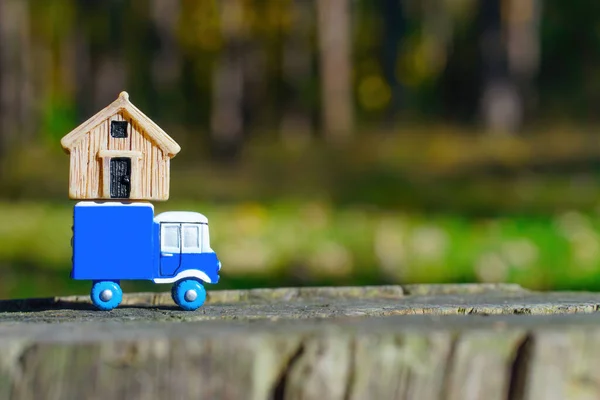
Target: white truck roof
{"type": "Point", "coordinates": [101, 203]}
{"type": "Point", "coordinates": [181, 216]}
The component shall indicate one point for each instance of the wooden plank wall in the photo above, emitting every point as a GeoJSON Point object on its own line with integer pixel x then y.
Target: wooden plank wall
{"type": "Point", "coordinates": [85, 177]}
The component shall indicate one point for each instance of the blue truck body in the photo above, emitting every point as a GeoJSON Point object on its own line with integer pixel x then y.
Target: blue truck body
{"type": "Point", "coordinates": [125, 241]}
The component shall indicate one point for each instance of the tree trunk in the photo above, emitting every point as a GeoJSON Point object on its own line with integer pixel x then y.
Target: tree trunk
{"type": "Point", "coordinates": [17, 117]}
{"type": "Point", "coordinates": [523, 47]}
{"type": "Point", "coordinates": [392, 14]}
{"type": "Point", "coordinates": [83, 67]}
{"type": "Point", "coordinates": [166, 64]}
{"type": "Point", "coordinates": [110, 74]}
{"type": "Point", "coordinates": [501, 102]}
{"type": "Point", "coordinates": [296, 124]}
{"type": "Point", "coordinates": [413, 342]}
{"type": "Point", "coordinates": [333, 17]}
{"type": "Point", "coordinates": [228, 81]}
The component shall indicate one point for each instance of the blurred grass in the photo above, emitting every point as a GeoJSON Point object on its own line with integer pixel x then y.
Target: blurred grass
{"type": "Point", "coordinates": [314, 243]}
{"type": "Point", "coordinates": [436, 208]}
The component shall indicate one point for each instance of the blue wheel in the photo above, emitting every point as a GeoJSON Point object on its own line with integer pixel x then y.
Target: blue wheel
{"type": "Point", "coordinates": [106, 295]}
{"type": "Point", "coordinates": [173, 291]}
{"type": "Point", "coordinates": [189, 294]}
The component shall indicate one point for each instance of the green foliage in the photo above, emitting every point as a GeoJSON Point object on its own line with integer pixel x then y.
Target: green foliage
{"type": "Point", "coordinates": [314, 242]}
{"type": "Point", "coordinates": [59, 116]}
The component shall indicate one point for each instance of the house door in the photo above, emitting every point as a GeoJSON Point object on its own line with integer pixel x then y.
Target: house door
{"type": "Point", "coordinates": [120, 178]}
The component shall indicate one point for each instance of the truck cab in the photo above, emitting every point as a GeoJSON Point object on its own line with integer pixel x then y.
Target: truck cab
{"type": "Point", "coordinates": [185, 248]}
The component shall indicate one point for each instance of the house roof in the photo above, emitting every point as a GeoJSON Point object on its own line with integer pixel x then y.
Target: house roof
{"type": "Point", "coordinates": [122, 104]}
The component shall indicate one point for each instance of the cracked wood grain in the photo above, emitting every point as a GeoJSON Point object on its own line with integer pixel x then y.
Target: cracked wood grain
{"type": "Point", "coordinates": [453, 342]}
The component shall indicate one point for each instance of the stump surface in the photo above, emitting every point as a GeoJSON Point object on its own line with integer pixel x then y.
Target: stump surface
{"type": "Point", "coordinates": [386, 342]}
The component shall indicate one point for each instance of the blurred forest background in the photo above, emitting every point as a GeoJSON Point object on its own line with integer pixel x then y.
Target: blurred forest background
{"type": "Point", "coordinates": [328, 141]}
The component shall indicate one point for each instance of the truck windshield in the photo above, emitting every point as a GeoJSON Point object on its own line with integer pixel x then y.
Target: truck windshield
{"type": "Point", "coordinates": [191, 237]}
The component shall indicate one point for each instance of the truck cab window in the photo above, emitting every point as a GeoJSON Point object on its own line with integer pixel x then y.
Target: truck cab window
{"type": "Point", "coordinates": [170, 237]}
{"type": "Point", "coordinates": [191, 237]}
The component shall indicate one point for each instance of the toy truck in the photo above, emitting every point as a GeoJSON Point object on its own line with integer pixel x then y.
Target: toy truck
{"type": "Point", "coordinates": [116, 241]}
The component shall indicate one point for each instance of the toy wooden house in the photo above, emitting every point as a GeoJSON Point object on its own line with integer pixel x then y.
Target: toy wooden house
{"type": "Point", "coordinates": [119, 153]}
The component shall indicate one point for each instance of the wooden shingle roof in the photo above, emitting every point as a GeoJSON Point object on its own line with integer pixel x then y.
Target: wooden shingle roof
{"type": "Point", "coordinates": [122, 104]}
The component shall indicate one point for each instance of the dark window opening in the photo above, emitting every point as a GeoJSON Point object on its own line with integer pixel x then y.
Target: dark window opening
{"type": "Point", "coordinates": [118, 129]}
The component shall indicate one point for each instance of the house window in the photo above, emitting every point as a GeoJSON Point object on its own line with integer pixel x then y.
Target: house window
{"type": "Point", "coordinates": [118, 129]}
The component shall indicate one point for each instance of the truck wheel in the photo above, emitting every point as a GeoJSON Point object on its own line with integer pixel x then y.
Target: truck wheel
{"type": "Point", "coordinates": [189, 294]}
{"type": "Point", "coordinates": [106, 295]}
{"type": "Point", "coordinates": [173, 293]}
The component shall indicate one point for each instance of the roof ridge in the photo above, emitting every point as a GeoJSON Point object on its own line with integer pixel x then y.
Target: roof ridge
{"type": "Point", "coordinates": [122, 103]}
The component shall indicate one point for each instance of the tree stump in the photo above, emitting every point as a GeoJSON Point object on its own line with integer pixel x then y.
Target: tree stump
{"type": "Point", "coordinates": [380, 342]}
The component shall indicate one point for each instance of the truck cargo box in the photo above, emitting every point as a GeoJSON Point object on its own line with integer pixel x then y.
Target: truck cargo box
{"type": "Point", "coordinates": [114, 241]}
